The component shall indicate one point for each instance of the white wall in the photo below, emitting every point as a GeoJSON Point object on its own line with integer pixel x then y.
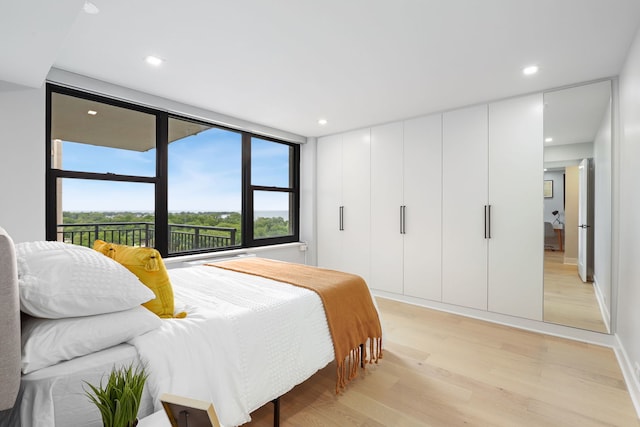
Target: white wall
{"type": "Point", "coordinates": [602, 150]}
{"type": "Point", "coordinates": [567, 155]}
{"type": "Point", "coordinates": [555, 203]}
{"type": "Point", "coordinates": [22, 163]}
{"type": "Point", "coordinates": [628, 275]}
{"type": "Point", "coordinates": [308, 199]}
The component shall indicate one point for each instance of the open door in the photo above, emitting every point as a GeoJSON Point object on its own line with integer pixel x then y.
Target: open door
{"type": "Point", "coordinates": [585, 221]}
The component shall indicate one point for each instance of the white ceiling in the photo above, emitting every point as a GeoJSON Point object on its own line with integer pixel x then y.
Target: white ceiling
{"type": "Point", "coordinates": [31, 36]}
{"type": "Point", "coordinates": [285, 64]}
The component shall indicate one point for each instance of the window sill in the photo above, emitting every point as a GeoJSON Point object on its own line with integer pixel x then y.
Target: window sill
{"type": "Point", "coordinates": [195, 259]}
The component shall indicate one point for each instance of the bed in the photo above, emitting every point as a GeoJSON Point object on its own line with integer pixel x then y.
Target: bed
{"type": "Point", "coordinates": [245, 341]}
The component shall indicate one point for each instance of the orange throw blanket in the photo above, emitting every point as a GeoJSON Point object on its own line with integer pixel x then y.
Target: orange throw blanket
{"type": "Point", "coordinates": [351, 315]}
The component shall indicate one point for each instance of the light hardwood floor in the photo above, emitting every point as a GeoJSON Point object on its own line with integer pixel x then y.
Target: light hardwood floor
{"type": "Point", "coordinates": [440, 369]}
{"type": "Point", "coordinates": [567, 299]}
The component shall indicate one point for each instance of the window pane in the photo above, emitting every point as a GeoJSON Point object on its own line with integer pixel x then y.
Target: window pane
{"type": "Point", "coordinates": [91, 136]}
{"type": "Point", "coordinates": [205, 187]}
{"type": "Point", "coordinates": [118, 212]}
{"type": "Point", "coordinates": [271, 214]}
{"type": "Point", "coordinates": [270, 163]}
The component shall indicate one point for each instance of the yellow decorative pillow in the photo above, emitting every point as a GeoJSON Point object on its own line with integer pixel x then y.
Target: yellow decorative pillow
{"type": "Point", "coordinates": [147, 265]}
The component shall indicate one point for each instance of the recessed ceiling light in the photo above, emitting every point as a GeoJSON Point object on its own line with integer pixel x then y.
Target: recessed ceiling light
{"type": "Point", "coordinates": [90, 8]}
{"type": "Point", "coordinates": [153, 60]}
{"type": "Point", "coordinates": [530, 70]}
{"type": "Point", "coordinates": [92, 112]}
{"type": "Point", "coordinates": [322, 122]}
{"type": "Point", "coordinates": [548, 139]}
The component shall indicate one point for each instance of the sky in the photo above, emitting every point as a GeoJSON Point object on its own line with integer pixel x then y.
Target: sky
{"type": "Point", "coordinates": [204, 175]}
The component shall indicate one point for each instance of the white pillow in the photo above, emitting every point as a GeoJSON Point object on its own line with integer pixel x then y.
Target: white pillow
{"type": "Point", "coordinates": [61, 280]}
{"type": "Point", "coordinates": [46, 342]}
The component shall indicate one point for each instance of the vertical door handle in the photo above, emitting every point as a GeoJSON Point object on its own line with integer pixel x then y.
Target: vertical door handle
{"type": "Point", "coordinates": [403, 210]}
{"type": "Point", "coordinates": [404, 219]}
{"type": "Point", "coordinates": [485, 222]}
{"type": "Point", "coordinates": [341, 218]}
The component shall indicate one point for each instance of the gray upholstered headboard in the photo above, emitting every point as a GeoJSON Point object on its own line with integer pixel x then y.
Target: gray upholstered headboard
{"type": "Point", "coordinates": [9, 323]}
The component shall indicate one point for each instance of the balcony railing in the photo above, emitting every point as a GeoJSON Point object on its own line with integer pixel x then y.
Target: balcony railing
{"type": "Point", "coordinates": [182, 237]}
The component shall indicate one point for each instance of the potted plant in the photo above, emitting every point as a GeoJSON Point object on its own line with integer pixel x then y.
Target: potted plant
{"type": "Point", "coordinates": [119, 399]}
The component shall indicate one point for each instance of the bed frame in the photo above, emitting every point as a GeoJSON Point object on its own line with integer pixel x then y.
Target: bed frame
{"type": "Point", "coordinates": [10, 351]}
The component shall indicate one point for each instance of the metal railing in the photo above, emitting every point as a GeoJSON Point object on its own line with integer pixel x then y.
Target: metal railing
{"type": "Point", "coordinates": [182, 237]}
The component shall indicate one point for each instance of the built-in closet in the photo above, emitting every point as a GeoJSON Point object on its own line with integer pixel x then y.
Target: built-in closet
{"type": "Point", "coordinates": [344, 207]}
{"type": "Point", "coordinates": [406, 176]}
{"type": "Point", "coordinates": [455, 207]}
{"type": "Point", "coordinates": [465, 207]}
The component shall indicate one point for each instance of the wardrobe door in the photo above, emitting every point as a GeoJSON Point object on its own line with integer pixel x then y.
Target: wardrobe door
{"type": "Point", "coordinates": [329, 193]}
{"type": "Point", "coordinates": [386, 208]}
{"type": "Point", "coordinates": [356, 199]}
{"type": "Point", "coordinates": [464, 207]}
{"type": "Point", "coordinates": [423, 207]}
{"type": "Point", "coordinates": [515, 194]}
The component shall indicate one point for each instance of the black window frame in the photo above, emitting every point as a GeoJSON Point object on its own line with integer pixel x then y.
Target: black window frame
{"type": "Point", "coordinates": [160, 180]}
{"type": "Point", "coordinates": [249, 190]}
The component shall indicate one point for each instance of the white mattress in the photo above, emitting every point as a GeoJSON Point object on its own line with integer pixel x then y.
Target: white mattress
{"type": "Point", "coordinates": [54, 395]}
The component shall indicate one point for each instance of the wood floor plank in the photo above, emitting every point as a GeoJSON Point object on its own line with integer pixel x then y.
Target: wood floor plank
{"type": "Point", "coordinates": [567, 300]}
{"type": "Point", "coordinates": [440, 369]}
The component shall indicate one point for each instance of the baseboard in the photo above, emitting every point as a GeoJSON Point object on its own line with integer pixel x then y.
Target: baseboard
{"type": "Point", "coordinates": [602, 303]}
{"type": "Point", "coordinates": [541, 327]}
{"type": "Point", "coordinates": [570, 261]}
{"type": "Point", "coordinates": [628, 373]}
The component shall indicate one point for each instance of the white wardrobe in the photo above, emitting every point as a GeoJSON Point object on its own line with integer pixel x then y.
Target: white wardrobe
{"type": "Point", "coordinates": [344, 211]}
{"type": "Point", "coordinates": [465, 209]}
{"type": "Point", "coordinates": [406, 176]}
{"type": "Point", "coordinates": [448, 206]}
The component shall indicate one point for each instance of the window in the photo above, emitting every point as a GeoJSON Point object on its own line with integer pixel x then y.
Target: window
{"type": "Point", "coordinates": [102, 171]}
{"type": "Point", "coordinates": [90, 213]}
{"type": "Point", "coordinates": [273, 194]}
{"type": "Point", "coordinates": [93, 136]}
{"type": "Point", "coordinates": [205, 187]}
{"type": "Point", "coordinates": [133, 175]}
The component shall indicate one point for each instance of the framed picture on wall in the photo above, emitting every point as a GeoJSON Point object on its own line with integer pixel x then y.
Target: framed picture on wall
{"type": "Point", "coordinates": [548, 188]}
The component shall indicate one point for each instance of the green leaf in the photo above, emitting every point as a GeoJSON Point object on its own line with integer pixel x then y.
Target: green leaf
{"type": "Point", "coordinates": [119, 399]}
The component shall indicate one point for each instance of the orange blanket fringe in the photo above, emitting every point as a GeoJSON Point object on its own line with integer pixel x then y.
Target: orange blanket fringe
{"type": "Point", "coordinates": [351, 315]}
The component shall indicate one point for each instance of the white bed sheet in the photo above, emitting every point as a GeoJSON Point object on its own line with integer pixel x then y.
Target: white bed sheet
{"type": "Point", "coordinates": [245, 341]}
{"type": "Point", "coordinates": [54, 396]}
